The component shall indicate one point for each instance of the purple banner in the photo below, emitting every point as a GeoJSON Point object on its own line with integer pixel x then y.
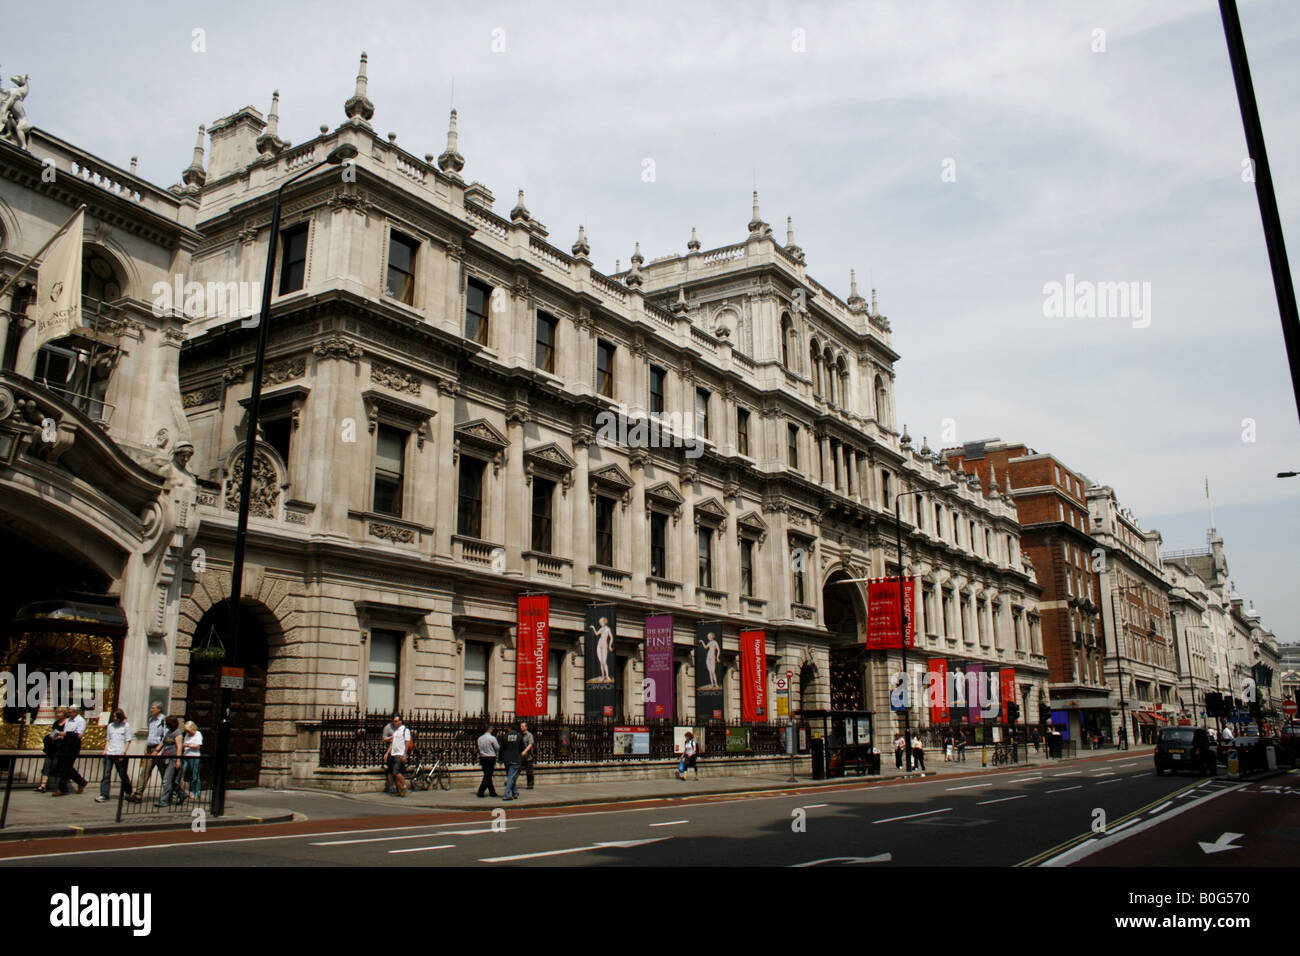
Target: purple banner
{"type": "Point", "coordinates": [659, 668]}
{"type": "Point", "coordinates": [975, 691]}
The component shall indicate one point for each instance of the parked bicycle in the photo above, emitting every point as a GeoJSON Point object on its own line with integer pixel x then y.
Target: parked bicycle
{"type": "Point", "coordinates": [433, 775]}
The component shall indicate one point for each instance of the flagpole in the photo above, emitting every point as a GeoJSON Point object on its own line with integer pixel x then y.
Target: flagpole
{"type": "Point", "coordinates": [41, 251]}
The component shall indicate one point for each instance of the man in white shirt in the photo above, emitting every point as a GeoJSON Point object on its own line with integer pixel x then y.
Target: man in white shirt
{"type": "Point", "coordinates": [488, 748]}
{"type": "Point", "coordinates": [396, 756]}
{"type": "Point", "coordinates": [73, 730]}
{"type": "Point", "coordinates": [117, 739]}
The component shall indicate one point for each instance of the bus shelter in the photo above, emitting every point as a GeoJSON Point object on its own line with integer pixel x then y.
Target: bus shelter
{"type": "Point", "coordinates": [841, 742]}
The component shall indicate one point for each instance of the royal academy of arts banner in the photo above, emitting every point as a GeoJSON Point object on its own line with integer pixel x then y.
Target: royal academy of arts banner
{"type": "Point", "coordinates": [1008, 686]}
{"type": "Point", "coordinates": [602, 679]}
{"type": "Point", "coordinates": [883, 630]}
{"type": "Point", "coordinates": [532, 640]}
{"type": "Point", "coordinates": [753, 676]}
{"type": "Point", "coordinates": [708, 671]}
{"type": "Point", "coordinates": [975, 692]}
{"type": "Point", "coordinates": [659, 703]}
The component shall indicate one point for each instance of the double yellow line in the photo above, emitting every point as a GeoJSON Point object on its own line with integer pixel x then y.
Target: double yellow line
{"type": "Point", "coordinates": [1089, 835]}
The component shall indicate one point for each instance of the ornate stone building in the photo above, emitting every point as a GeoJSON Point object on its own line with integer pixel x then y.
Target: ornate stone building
{"type": "Point", "coordinates": [96, 505]}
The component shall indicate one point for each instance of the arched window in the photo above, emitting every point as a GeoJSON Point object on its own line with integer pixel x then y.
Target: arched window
{"type": "Point", "coordinates": [100, 277]}
{"type": "Point", "coordinates": [829, 383]}
{"type": "Point", "coordinates": [787, 330]}
{"type": "Point", "coordinates": [842, 373]}
{"type": "Point", "coordinates": [815, 367]}
{"type": "Point", "coordinates": [882, 413]}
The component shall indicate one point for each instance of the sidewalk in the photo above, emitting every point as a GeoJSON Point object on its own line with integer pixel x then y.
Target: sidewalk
{"type": "Point", "coordinates": [35, 815]}
{"type": "Point", "coordinates": [463, 795]}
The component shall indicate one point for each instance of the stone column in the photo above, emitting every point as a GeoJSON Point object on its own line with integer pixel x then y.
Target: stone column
{"type": "Point", "coordinates": [582, 507]}
{"type": "Point", "coordinates": [518, 503]}
{"type": "Point", "coordinates": [640, 557]}
{"type": "Point", "coordinates": [828, 471]}
{"type": "Point", "coordinates": [690, 541]}
{"type": "Point", "coordinates": [444, 492]}
{"type": "Point", "coordinates": [728, 551]}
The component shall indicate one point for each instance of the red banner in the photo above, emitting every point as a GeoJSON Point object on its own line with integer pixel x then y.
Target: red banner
{"type": "Point", "coordinates": [753, 675]}
{"type": "Point", "coordinates": [532, 639]}
{"type": "Point", "coordinates": [1008, 688]}
{"type": "Point", "coordinates": [882, 613]}
{"type": "Point", "coordinates": [938, 678]}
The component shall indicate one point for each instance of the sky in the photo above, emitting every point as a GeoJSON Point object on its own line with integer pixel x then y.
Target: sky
{"type": "Point", "coordinates": [961, 157]}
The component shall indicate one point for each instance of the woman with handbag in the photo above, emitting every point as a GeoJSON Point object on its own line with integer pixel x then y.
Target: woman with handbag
{"type": "Point", "coordinates": [50, 746]}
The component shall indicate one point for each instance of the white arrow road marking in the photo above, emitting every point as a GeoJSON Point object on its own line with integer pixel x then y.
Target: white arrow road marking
{"type": "Point", "coordinates": [911, 815]}
{"type": "Point", "coordinates": [621, 844]}
{"type": "Point", "coordinates": [1224, 842]}
{"type": "Point", "coordinates": [879, 858]}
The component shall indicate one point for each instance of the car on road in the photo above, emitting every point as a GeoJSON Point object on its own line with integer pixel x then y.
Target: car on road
{"type": "Point", "coordinates": [1185, 748]}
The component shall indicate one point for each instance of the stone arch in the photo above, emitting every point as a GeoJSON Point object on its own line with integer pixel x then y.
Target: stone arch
{"type": "Point", "coordinates": [126, 277]}
{"type": "Point", "coordinates": [11, 233]}
{"type": "Point", "coordinates": [270, 604]}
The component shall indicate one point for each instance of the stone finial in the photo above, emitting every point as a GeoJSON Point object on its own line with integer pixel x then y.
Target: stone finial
{"type": "Point", "coordinates": [270, 141]}
{"type": "Point", "coordinates": [790, 245]}
{"type": "Point", "coordinates": [757, 227]}
{"type": "Point", "coordinates": [693, 244]}
{"type": "Point", "coordinates": [520, 212]}
{"type": "Point", "coordinates": [906, 440]}
{"type": "Point", "coordinates": [134, 160]}
{"type": "Point", "coordinates": [633, 277]}
{"type": "Point", "coordinates": [581, 249]}
{"type": "Point", "coordinates": [925, 447]}
{"type": "Point", "coordinates": [856, 303]}
{"type": "Point", "coordinates": [874, 310]}
{"type": "Point", "coordinates": [358, 107]}
{"type": "Point", "coordinates": [679, 305]}
{"type": "Point", "coordinates": [451, 161]}
{"type": "Point", "coordinates": [193, 174]}
{"type": "Point", "coordinates": [324, 128]}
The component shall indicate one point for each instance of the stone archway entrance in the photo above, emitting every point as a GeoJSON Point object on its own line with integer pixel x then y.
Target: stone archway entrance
{"type": "Point", "coordinates": [248, 706]}
{"type": "Point", "coordinates": [846, 620]}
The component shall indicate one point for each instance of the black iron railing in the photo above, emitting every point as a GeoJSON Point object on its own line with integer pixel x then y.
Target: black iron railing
{"type": "Point", "coordinates": [349, 738]}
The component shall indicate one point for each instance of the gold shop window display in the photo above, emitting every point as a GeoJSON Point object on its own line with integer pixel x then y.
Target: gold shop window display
{"type": "Point", "coordinates": [60, 653]}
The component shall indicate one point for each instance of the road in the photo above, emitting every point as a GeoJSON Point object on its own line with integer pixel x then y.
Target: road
{"type": "Point", "coordinates": [1043, 816]}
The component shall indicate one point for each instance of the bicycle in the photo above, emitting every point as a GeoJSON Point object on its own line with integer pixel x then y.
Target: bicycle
{"type": "Point", "coordinates": [433, 775]}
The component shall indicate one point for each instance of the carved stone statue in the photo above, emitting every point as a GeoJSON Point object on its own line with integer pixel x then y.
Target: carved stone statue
{"type": "Point", "coordinates": [14, 123]}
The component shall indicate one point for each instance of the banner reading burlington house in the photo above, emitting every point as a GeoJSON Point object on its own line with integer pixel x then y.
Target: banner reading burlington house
{"type": "Point", "coordinates": [601, 694]}
{"type": "Point", "coordinates": [532, 638]}
{"type": "Point", "coordinates": [753, 675]}
{"type": "Point", "coordinates": [882, 613]}
{"type": "Point", "coordinates": [708, 671]}
{"type": "Point", "coordinates": [659, 668]}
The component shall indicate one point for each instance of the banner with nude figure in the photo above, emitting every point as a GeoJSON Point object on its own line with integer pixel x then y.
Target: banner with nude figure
{"type": "Point", "coordinates": [709, 692]}
{"type": "Point", "coordinates": [602, 684]}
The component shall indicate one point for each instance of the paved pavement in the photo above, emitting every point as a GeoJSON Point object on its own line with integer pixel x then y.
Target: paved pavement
{"type": "Point", "coordinates": [1026, 815]}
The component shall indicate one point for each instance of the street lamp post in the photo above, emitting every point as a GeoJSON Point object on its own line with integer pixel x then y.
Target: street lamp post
{"type": "Point", "coordinates": [1119, 664]}
{"type": "Point", "coordinates": [340, 154]}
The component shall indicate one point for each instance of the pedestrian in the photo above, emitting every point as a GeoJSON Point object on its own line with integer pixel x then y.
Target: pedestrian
{"type": "Point", "coordinates": [512, 742]}
{"type": "Point", "coordinates": [530, 752]}
{"type": "Point", "coordinates": [389, 786]}
{"type": "Point", "coordinates": [117, 740]}
{"type": "Point", "coordinates": [191, 749]}
{"type": "Point", "coordinates": [690, 754]}
{"type": "Point", "coordinates": [947, 748]}
{"type": "Point", "coordinates": [961, 747]}
{"type": "Point", "coordinates": [173, 743]}
{"type": "Point", "coordinates": [918, 753]}
{"type": "Point", "coordinates": [1036, 740]}
{"type": "Point", "coordinates": [52, 745]}
{"type": "Point", "coordinates": [395, 756]}
{"type": "Point", "coordinates": [153, 740]}
{"type": "Point", "coordinates": [899, 744]}
{"type": "Point", "coordinates": [74, 728]}
{"type": "Point", "coordinates": [488, 748]}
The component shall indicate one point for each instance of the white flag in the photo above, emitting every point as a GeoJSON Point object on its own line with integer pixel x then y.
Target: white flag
{"type": "Point", "coordinates": [58, 286]}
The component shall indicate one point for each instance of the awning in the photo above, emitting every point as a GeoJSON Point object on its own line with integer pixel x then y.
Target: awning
{"type": "Point", "coordinates": [1144, 718]}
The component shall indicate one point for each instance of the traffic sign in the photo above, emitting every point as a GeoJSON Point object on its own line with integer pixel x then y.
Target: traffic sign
{"type": "Point", "coordinates": [1289, 708]}
{"type": "Point", "coordinates": [782, 683]}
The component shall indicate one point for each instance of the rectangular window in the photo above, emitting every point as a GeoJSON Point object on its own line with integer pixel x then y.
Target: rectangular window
{"type": "Point", "coordinates": [381, 692]}
{"type": "Point", "coordinates": [477, 297]}
{"type": "Point", "coordinates": [544, 357]}
{"type": "Point", "coordinates": [747, 567]}
{"type": "Point", "coordinates": [293, 258]}
{"type": "Point", "coordinates": [605, 531]}
{"type": "Point", "coordinates": [474, 689]}
{"type": "Point", "coordinates": [792, 445]}
{"type": "Point", "coordinates": [543, 496]}
{"type": "Point", "coordinates": [278, 433]}
{"type": "Point", "coordinates": [657, 377]}
{"type": "Point", "coordinates": [401, 267]}
{"type": "Point", "coordinates": [469, 508]}
{"type": "Point", "coordinates": [742, 431]}
{"type": "Point", "coordinates": [884, 490]}
{"type": "Point", "coordinates": [658, 545]}
{"type": "Point", "coordinates": [390, 455]}
{"type": "Point", "coordinates": [702, 412]}
{"type": "Point", "coordinates": [605, 368]}
{"type": "Point", "coordinates": [706, 557]}
{"type": "Point", "coordinates": [938, 521]}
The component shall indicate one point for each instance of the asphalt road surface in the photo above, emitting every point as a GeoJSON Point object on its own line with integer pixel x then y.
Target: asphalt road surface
{"type": "Point", "coordinates": [1044, 816]}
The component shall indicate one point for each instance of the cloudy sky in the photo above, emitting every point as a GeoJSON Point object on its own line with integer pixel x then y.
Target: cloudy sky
{"type": "Point", "coordinates": [1100, 140]}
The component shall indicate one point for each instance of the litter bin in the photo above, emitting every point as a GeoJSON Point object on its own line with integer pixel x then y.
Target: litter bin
{"type": "Point", "coordinates": [873, 764]}
{"type": "Point", "coordinates": [1054, 745]}
{"type": "Point", "coordinates": [818, 758]}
